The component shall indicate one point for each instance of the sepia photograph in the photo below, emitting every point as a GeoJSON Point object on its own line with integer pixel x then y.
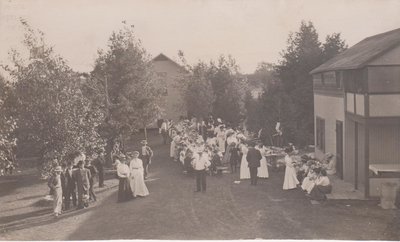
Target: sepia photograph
{"type": "Point", "coordinates": [208, 120]}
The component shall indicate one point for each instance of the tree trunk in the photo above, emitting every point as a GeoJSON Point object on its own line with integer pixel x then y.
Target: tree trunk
{"type": "Point", "coordinates": [145, 132]}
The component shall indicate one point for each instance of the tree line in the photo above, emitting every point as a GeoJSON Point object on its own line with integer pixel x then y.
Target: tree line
{"type": "Point", "coordinates": [51, 111]}
{"type": "Point", "coordinates": [220, 89]}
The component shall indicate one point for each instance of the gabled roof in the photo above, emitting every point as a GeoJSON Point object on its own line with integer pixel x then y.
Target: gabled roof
{"type": "Point", "coordinates": [162, 57]}
{"type": "Point", "coordinates": [363, 52]}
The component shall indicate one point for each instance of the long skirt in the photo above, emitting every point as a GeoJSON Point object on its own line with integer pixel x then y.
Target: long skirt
{"type": "Point", "coordinates": [138, 186]}
{"type": "Point", "coordinates": [290, 181]}
{"type": "Point", "coordinates": [263, 169]}
{"type": "Point", "coordinates": [124, 190]}
{"type": "Point", "coordinates": [244, 168]}
{"type": "Point", "coordinates": [57, 204]}
{"type": "Point", "coordinates": [318, 192]}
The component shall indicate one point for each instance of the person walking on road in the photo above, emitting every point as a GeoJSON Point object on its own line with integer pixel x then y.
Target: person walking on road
{"type": "Point", "coordinates": [81, 177]}
{"type": "Point", "coordinates": [56, 187]}
{"type": "Point", "coordinates": [70, 189]}
{"type": "Point", "coordinates": [147, 154]}
{"type": "Point", "coordinates": [137, 180]}
{"type": "Point", "coordinates": [99, 163]}
{"type": "Point", "coordinates": [123, 173]}
{"type": "Point", "coordinates": [200, 163]}
{"type": "Point", "coordinates": [93, 172]}
{"type": "Point", "coordinates": [253, 158]}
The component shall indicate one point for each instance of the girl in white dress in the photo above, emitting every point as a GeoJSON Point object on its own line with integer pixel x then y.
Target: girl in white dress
{"type": "Point", "coordinates": [137, 176]}
{"type": "Point", "coordinates": [290, 181]}
{"type": "Point", "coordinates": [262, 171]}
{"type": "Point", "coordinates": [244, 165]}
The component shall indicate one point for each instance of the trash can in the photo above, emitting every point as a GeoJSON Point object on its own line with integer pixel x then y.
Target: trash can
{"type": "Point", "coordinates": [388, 195]}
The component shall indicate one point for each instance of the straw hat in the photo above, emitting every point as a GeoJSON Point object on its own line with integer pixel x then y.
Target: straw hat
{"type": "Point", "coordinates": [143, 142]}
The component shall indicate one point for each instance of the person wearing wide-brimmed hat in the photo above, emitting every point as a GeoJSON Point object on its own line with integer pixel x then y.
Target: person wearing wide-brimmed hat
{"type": "Point", "coordinates": [56, 187]}
{"type": "Point", "coordinates": [147, 154]}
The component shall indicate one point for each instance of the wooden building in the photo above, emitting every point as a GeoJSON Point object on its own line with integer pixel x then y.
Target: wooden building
{"type": "Point", "coordinates": [169, 71]}
{"type": "Point", "coordinates": [357, 112]}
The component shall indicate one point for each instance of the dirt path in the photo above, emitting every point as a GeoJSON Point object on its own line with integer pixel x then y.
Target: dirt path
{"type": "Point", "coordinates": [225, 211]}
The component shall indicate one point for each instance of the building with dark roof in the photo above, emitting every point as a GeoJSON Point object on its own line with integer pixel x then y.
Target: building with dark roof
{"type": "Point", "coordinates": [357, 112]}
{"type": "Point", "coordinates": [170, 72]}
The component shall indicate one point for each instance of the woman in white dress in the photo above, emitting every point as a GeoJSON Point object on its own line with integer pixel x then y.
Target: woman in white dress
{"type": "Point", "coordinates": [290, 181]}
{"type": "Point", "coordinates": [244, 165]}
{"type": "Point", "coordinates": [262, 171]}
{"type": "Point", "coordinates": [221, 139]}
{"type": "Point", "coordinates": [172, 147]}
{"type": "Point", "coordinates": [137, 176]}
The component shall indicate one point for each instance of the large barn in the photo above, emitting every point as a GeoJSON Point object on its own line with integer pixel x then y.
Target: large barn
{"type": "Point", "coordinates": [169, 71]}
{"type": "Point", "coordinates": [357, 112]}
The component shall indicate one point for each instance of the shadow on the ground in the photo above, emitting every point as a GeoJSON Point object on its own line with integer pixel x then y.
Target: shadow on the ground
{"type": "Point", "coordinates": [10, 183]}
{"type": "Point", "coordinates": [37, 218]}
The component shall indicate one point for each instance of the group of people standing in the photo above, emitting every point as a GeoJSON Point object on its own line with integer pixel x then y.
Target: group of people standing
{"type": "Point", "coordinates": [211, 146]}
{"type": "Point", "coordinates": [132, 172]}
{"type": "Point", "coordinates": [73, 181]}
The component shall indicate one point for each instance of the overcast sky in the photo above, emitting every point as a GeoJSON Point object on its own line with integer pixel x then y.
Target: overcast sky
{"type": "Point", "coordinates": [251, 31]}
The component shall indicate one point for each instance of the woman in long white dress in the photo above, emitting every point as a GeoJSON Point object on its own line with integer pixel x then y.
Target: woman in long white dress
{"type": "Point", "coordinates": [244, 165]}
{"type": "Point", "coordinates": [138, 186]}
{"type": "Point", "coordinates": [262, 171]}
{"type": "Point", "coordinates": [290, 181]}
{"type": "Point", "coordinates": [172, 147]}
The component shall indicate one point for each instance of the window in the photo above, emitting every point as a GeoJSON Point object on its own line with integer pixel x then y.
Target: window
{"type": "Point", "coordinates": [320, 133]}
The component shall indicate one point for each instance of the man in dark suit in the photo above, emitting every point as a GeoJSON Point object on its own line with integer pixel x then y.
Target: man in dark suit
{"type": "Point", "coordinates": [253, 158]}
{"type": "Point", "coordinates": [70, 190]}
{"type": "Point", "coordinates": [82, 179]}
{"type": "Point", "coordinates": [99, 163]}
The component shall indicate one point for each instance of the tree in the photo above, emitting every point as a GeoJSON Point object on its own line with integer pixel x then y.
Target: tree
{"type": "Point", "coordinates": [230, 88]}
{"type": "Point", "coordinates": [333, 45]}
{"type": "Point", "coordinates": [53, 114]}
{"type": "Point", "coordinates": [195, 84]}
{"type": "Point", "coordinates": [7, 124]}
{"type": "Point", "coordinates": [216, 88]}
{"type": "Point", "coordinates": [129, 91]}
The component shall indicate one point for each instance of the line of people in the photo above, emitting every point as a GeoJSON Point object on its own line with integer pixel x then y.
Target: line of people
{"type": "Point", "coordinates": [73, 181]}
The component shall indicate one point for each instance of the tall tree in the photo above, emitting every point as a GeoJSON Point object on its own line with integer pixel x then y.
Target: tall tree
{"type": "Point", "coordinates": [301, 56]}
{"type": "Point", "coordinates": [333, 45]}
{"type": "Point", "coordinates": [230, 88]}
{"type": "Point", "coordinates": [7, 123]}
{"type": "Point", "coordinates": [127, 85]}
{"type": "Point", "coordinates": [53, 114]}
{"type": "Point", "coordinates": [197, 93]}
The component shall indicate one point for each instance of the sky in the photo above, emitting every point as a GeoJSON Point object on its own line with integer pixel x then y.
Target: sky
{"type": "Point", "coordinates": [251, 31]}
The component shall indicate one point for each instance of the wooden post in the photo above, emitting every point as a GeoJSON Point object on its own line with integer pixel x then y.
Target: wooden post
{"type": "Point", "coordinates": [366, 145]}
{"type": "Point", "coordinates": [145, 132]}
{"type": "Point", "coordinates": [356, 156]}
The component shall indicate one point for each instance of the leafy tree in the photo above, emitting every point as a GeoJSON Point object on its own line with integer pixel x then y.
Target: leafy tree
{"type": "Point", "coordinates": [53, 114]}
{"type": "Point", "coordinates": [229, 88]}
{"type": "Point", "coordinates": [288, 99]}
{"type": "Point", "coordinates": [125, 86]}
{"type": "Point", "coordinates": [196, 88]}
{"type": "Point", "coordinates": [7, 124]}
{"type": "Point", "coordinates": [216, 88]}
{"type": "Point", "coordinates": [332, 46]}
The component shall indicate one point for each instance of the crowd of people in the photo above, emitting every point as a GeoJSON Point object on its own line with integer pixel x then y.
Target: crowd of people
{"type": "Point", "coordinates": [213, 147]}
{"type": "Point", "coordinates": [208, 147]}
{"type": "Point", "coordinates": [74, 180]}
